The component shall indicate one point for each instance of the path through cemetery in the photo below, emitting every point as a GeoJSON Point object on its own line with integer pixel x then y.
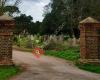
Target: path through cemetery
{"type": "Point", "coordinates": [49, 68]}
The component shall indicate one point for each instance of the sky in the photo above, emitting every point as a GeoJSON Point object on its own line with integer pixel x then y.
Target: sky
{"type": "Point", "coordinates": [34, 8]}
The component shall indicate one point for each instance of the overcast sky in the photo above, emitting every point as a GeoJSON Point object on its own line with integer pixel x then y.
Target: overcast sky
{"type": "Point", "coordinates": [33, 8]}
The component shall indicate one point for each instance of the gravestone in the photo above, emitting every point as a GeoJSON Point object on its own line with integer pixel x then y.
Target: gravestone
{"type": "Point", "coordinates": [90, 41]}
{"type": "Point", "coordinates": [6, 32]}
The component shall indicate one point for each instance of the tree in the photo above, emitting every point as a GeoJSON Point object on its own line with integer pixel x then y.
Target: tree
{"type": "Point", "coordinates": [10, 9]}
{"type": "Point", "coordinates": [35, 28]}
{"type": "Point", "coordinates": [54, 18]}
{"type": "Point", "coordinates": [70, 12]}
{"type": "Point", "coordinates": [23, 24]}
{"type": "Point", "coordinates": [80, 9]}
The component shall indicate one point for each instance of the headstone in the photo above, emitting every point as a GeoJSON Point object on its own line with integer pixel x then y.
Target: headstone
{"type": "Point", "coordinates": [61, 38]}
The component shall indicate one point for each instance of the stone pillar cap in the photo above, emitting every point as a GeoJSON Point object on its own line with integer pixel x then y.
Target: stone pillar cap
{"type": "Point", "coordinates": [6, 17]}
{"type": "Point", "coordinates": [89, 20]}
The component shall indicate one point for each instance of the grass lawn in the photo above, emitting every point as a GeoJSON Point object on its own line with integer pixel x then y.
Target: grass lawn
{"type": "Point", "coordinates": [7, 71]}
{"type": "Point", "coordinates": [69, 54]}
{"type": "Point", "coordinates": [89, 67]}
{"type": "Point", "coordinates": [72, 54]}
{"type": "Point", "coordinates": [22, 49]}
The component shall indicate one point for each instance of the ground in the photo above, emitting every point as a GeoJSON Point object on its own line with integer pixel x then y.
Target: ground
{"type": "Point", "coordinates": [49, 68]}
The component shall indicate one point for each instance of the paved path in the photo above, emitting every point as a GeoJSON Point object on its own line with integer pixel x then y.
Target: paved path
{"type": "Point", "coordinates": [49, 68]}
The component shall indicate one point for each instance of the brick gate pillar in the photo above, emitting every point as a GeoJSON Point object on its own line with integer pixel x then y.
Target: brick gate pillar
{"type": "Point", "coordinates": [89, 41]}
{"type": "Point", "coordinates": [6, 32]}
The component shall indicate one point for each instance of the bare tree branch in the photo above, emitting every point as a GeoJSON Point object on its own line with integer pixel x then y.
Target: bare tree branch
{"type": "Point", "coordinates": [17, 2]}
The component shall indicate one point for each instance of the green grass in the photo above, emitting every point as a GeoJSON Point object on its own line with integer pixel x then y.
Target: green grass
{"type": "Point", "coordinates": [89, 67]}
{"type": "Point", "coordinates": [69, 54]}
{"type": "Point", "coordinates": [22, 49]}
{"type": "Point", "coordinates": [72, 54]}
{"type": "Point", "coordinates": [8, 71]}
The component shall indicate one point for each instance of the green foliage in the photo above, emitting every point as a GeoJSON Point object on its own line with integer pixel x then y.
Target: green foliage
{"type": "Point", "coordinates": [26, 42]}
{"type": "Point", "coordinates": [8, 71]}
{"type": "Point", "coordinates": [66, 38]}
{"type": "Point", "coordinates": [53, 19]}
{"type": "Point", "coordinates": [72, 54]}
{"type": "Point", "coordinates": [11, 9]}
{"type": "Point", "coordinates": [23, 42]}
{"type": "Point", "coordinates": [25, 25]}
{"type": "Point", "coordinates": [71, 12]}
{"type": "Point", "coordinates": [39, 41]}
{"type": "Point", "coordinates": [22, 49]}
{"type": "Point", "coordinates": [69, 54]}
{"type": "Point", "coordinates": [5, 7]}
{"type": "Point", "coordinates": [52, 45]}
{"type": "Point", "coordinates": [35, 28]}
{"type": "Point", "coordinates": [89, 67]}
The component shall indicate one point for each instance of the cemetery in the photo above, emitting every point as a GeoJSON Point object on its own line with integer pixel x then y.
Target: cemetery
{"type": "Point", "coordinates": [35, 47]}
